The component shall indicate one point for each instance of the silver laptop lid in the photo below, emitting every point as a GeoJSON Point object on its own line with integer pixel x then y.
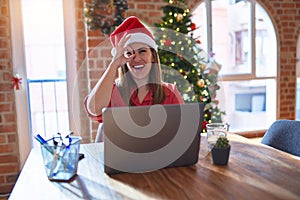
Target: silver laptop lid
{"type": "Point", "coordinates": [147, 138]}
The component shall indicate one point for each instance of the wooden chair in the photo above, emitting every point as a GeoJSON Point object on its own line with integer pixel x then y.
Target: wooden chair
{"type": "Point", "coordinates": [284, 135]}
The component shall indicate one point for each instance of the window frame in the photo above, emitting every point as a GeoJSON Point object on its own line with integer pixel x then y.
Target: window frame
{"type": "Point", "coordinates": [243, 76]}
{"type": "Point", "coordinates": [18, 60]}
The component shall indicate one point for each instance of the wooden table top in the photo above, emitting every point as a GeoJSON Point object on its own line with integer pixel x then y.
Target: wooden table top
{"type": "Point", "coordinates": [254, 171]}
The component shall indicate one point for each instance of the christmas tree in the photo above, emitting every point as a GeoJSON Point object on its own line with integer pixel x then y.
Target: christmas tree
{"type": "Point", "coordinates": [196, 72]}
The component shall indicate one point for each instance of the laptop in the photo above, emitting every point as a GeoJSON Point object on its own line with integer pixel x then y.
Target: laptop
{"type": "Point", "coordinates": [147, 138]}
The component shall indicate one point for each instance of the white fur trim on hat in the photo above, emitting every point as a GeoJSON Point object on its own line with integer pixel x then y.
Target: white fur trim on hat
{"type": "Point", "coordinates": [141, 38]}
{"type": "Point", "coordinates": [138, 37]}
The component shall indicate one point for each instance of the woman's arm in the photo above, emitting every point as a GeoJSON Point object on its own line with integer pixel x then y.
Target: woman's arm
{"type": "Point", "coordinates": [100, 95]}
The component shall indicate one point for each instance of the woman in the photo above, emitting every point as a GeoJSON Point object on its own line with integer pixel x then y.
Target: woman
{"type": "Point", "coordinates": [139, 79]}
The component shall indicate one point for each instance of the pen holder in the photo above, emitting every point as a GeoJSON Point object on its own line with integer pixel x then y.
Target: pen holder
{"type": "Point", "coordinates": [61, 161]}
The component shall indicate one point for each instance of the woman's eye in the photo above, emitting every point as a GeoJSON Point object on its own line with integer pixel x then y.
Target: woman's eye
{"type": "Point", "coordinates": [127, 54]}
{"type": "Point", "coordinates": [142, 51]}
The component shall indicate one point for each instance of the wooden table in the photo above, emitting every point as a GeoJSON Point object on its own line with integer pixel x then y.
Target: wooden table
{"type": "Point", "coordinates": [254, 171]}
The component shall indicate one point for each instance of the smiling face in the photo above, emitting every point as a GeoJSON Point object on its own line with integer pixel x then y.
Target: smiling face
{"type": "Point", "coordinates": [140, 62]}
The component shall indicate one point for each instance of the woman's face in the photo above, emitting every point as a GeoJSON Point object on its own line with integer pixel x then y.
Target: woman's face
{"type": "Point", "coordinates": [140, 62]}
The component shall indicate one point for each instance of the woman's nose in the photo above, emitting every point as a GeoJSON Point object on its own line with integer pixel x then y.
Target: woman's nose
{"type": "Point", "coordinates": [135, 56]}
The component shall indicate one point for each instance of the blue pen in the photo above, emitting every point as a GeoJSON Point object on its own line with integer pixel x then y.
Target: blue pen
{"type": "Point", "coordinates": [41, 139]}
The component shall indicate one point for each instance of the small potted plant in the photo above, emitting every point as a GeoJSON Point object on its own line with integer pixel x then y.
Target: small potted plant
{"type": "Point", "coordinates": [220, 151]}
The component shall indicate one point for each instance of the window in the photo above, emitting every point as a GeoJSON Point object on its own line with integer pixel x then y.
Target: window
{"type": "Point", "coordinates": [242, 37]}
{"type": "Point", "coordinates": [44, 47]}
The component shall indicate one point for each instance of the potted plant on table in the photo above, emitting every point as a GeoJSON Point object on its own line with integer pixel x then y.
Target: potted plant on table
{"type": "Point", "coordinates": [220, 151]}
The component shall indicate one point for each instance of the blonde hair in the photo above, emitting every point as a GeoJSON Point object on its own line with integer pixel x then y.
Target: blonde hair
{"type": "Point", "coordinates": [127, 85]}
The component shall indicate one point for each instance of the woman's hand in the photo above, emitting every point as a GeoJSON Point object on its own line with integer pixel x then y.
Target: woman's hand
{"type": "Point", "coordinates": [119, 59]}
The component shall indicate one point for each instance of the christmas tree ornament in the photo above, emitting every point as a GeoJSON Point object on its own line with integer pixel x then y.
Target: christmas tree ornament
{"type": "Point", "coordinates": [201, 83]}
{"type": "Point", "coordinates": [168, 42]}
{"type": "Point", "coordinates": [193, 26]}
{"type": "Point", "coordinates": [179, 17]}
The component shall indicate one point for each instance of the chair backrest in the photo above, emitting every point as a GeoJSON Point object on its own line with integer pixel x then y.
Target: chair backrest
{"type": "Point", "coordinates": [99, 135]}
{"type": "Point", "coordinates": [284, 135]}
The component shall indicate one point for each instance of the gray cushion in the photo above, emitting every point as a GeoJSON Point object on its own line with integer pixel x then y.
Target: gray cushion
{"type": "Point", "coordinates": [284, 135]}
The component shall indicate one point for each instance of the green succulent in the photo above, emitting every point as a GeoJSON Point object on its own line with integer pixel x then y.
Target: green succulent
{"type": "Point", "coordinates": [222, 142]}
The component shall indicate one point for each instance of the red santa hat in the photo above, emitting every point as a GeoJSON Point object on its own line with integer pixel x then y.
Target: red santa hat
{"type": "Point", "coordinates": [139, 33]}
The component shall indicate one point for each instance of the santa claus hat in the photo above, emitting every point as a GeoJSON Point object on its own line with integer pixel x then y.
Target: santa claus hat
{"type": "Point", "coordinates": [139, 33]}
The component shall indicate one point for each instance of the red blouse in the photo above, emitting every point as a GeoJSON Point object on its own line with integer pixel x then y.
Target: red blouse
{"type": "Point", "coordinates": [172, 97]}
